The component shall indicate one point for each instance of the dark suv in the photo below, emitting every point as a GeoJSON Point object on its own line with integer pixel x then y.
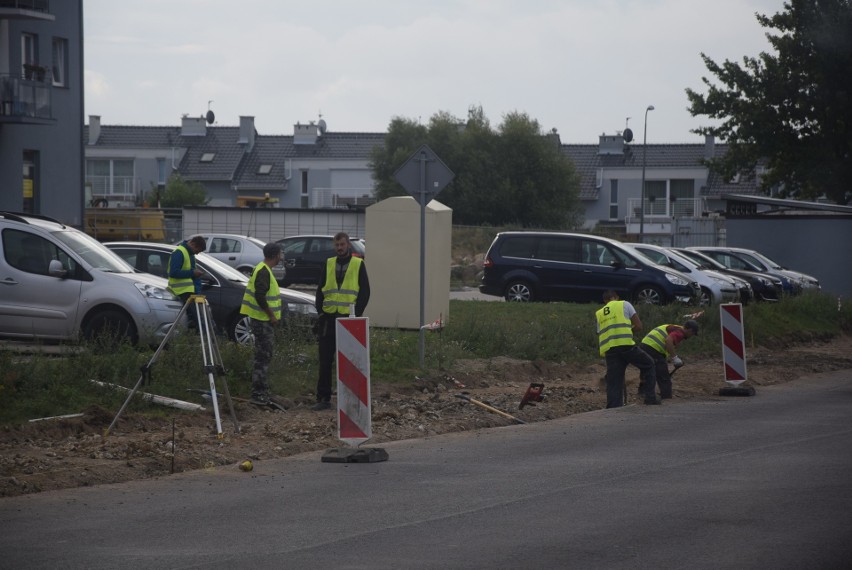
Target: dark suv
{"type": "Point", "coordinates": [549, 266]}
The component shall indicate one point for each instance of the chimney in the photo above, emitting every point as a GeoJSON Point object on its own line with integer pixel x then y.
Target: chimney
{"type": "Point", "coordinates": [247, 133]}
{"type": "Point", "coordinates": [610, 144]}
{"type": "Point", "coordinates": [193, 126]}
{"type": "Point", "coordinates": [709, 146]}
{"type": "Point", "coordinates": [305, 134]}
{"type": "Point", "coordinates": [94, 129]}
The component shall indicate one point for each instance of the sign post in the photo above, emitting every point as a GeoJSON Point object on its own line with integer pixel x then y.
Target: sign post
{"type": "Point", "coordinates": [423, 176]}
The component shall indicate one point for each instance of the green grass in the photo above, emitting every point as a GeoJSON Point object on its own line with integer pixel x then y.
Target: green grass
{"type": "Point", "coordinates": [35, 386]}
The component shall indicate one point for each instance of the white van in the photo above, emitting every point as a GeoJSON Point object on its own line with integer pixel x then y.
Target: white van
{"type": "Point", "coordinates": [58, 283]}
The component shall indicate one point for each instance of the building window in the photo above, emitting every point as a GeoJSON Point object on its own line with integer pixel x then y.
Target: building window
{"type": "Point", "coordinates": [161, 171]}
{"type": "Point", "coordinates": [264, 169]}
{"type": "Point", "coordinates": [682, 198]}
{"type": "Point", "coordinates": [305, 198]}
{"type": "Point", "coordinates": [29, 55]}
{"type": "Point", "coordinates": [60, 59]}
{"type": "Point", "coordinates": [613, 199]}
{"type": "Point", "coordinates": [207, 157]}
{"type": "Point", "coordinates": [110, 177]}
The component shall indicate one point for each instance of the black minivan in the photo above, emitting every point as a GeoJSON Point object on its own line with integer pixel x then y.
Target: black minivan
{"type": "Point", "coordinates": [551, 266]}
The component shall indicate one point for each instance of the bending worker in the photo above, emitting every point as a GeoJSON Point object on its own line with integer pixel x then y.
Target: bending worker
{"type": "Point", "coordinates": [617, 321]}
{"type": "Point", "coordinates": [660, 345]}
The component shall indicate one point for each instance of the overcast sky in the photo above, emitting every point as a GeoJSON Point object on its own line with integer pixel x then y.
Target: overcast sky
{"type": "Point", "coordinates": [580, 66]}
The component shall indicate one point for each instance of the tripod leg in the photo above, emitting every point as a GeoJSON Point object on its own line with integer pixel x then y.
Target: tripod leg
{"type": "Point", "coordinates": [204, 338]}
{"type": "Point", "coordinates": [147, 367]}
{"type": "Point", "coordinates": [219, 367]}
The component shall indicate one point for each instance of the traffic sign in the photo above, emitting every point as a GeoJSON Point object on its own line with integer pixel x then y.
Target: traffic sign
{"type": "Point", "coordinates": [423, 175]}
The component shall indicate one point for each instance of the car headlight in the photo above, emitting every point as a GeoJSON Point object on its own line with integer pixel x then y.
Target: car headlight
{"type": "Point", "coordinates": [720, 281]}
{"type": "Point", "coordinates": [675, 280]}
{"type": "Point", "coordinates": [305, 309]}
{"type": "Point", "coordinates": [154, 292]}
{"type": "Point", "coordinates": [764, 281]}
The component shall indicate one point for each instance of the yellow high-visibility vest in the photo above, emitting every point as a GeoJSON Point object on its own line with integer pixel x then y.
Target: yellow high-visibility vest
{"type": "Point", "coordinates": [273, 297]}
{"type": "Point", "coordinates": [656, 339]}
{"type": "Point", "coordinates": [337, 299]}
{"type": "Point", "coordinates": [614, 328]}
{"type": "Point", "coordinates": [181, 285]}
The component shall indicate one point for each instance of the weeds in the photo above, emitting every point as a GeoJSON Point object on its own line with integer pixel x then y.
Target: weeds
{"type": "Point", "coordinates": [40, 385]}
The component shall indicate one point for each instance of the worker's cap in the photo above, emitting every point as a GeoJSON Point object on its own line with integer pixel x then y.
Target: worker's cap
{"type": "Point", "coordinates": [691, 325]}
{"type": "Point", "coordinates": [271, 250]}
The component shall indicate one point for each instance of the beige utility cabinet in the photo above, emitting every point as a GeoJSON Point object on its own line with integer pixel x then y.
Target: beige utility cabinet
{"type": "Point", "coordinates": [393, 262]}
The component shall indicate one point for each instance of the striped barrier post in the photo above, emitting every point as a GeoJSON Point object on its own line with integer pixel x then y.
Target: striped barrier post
{"type": "Point", "coordinates": [354, 421]}
{"type": "Point", "coordinates": [733, 350]}
{"type": "Point", "coordinates": [354, 425]}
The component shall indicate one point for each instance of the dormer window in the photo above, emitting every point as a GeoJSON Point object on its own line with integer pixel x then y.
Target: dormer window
{"type": "Point", "coordinates": [207, 157]}
{"type": "Point", "coordinates": [264, 169]}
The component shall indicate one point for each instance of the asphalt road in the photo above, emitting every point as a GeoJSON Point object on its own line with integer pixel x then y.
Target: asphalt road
{"type": "Point", "coordinates": [760, 482]}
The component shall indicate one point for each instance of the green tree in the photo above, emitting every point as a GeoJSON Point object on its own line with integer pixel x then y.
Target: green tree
{"type": "Point", "coordinates": [514, 175]}
{"type": "Point", "coordinates": [792, 109]}
{"type": "Point", "coordinates": [179, 193]}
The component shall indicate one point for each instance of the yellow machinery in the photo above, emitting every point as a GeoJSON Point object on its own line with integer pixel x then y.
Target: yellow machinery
{"type": "Point", "coordinates": [110, 224]}
{"type": "Point", "coordinates": [256, 201]}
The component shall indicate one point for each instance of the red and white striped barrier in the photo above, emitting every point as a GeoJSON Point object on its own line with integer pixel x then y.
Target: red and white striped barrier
{"type": "Point", "coordinates": [733, 343]}
{"type": "Point", "coordinates": [354, 423]}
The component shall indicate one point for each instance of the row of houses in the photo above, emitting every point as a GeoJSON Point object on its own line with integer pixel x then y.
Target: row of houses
{"type": "Point", "coordinates": [52, 163]}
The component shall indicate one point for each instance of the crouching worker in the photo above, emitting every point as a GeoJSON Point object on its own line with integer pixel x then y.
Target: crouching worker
{"type": "Point", "coordinates": [617, 321]}
{"type": "Point", "coordinates": [660, 345]}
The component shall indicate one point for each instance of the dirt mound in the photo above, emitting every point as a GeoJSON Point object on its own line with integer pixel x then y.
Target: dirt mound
{"type": "Point", "coordinates": [73, 452]}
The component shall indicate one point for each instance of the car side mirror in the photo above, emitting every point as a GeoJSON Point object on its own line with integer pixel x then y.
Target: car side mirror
{"type": "Point", "coordinates": [55, 269]}
{"type": "Point", "coordinates": [616, 264]}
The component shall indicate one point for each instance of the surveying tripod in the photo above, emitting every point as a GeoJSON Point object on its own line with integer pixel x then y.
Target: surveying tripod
{"type": "Point", "coordinates": [211, 357]}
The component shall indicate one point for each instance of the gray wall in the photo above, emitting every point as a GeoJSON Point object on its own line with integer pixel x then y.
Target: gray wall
{"type": "Point", "coordinates": [817, 245]}
{"type": "Point", "coordinates": [59, 178]}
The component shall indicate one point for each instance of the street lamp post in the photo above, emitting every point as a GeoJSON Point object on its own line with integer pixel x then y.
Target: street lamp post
{"type": "Point", "coordinates": [644, 156]}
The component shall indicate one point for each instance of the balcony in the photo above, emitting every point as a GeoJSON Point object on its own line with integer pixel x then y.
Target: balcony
{"type": "Point", "coordinates": [660, 214]}
{"type": "Point", "coordinates": [26, 99]}
{"type": "Point", "coordinates": [26, 10]}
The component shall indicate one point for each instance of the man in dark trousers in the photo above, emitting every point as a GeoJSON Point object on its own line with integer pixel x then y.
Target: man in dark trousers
{"type": "Point", "coordinates": [343, 283]}
{"type": "Point", "coordinates": [262, 302]}
{"type": "Point", "coordinates": [660, 345]}
{"type": "Point", "coordinates": [617, 321]}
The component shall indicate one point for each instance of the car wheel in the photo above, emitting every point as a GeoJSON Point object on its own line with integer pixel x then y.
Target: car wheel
{"type": "Point", "coordinates": [705, 299]}
{"type": "Point", "coordinates": [239, 330]}
{"type": "Point", "coordinates": [110, 327]}
{"type": "Point", "coordinates": [519, 291]}
{"type": "Point", "coordinates": [649, 295]}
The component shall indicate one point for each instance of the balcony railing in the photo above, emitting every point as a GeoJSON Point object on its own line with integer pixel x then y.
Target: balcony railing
{"type": "Point", "coordinates": [26, 97]}
{"type": "Point", "coordinates": [663, 210]}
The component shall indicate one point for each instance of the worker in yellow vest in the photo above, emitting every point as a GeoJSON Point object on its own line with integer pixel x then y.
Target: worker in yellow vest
{"type": "Point", "coordinates": [660, 345]}
{"type": "Point", "coordinates": [184, 275]}
{"type": "Point", "coordinates": [343, 283]}
{"type": "Point", "coordinates": [262, 303]}
{"type": "Point", "coordinates": [617, 321]}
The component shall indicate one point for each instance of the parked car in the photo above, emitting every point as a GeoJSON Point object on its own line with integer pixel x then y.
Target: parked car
{"type": "Point", "coordinates": [550, 266]}
{"type": "Point", "coordinates": [305, 256]}
{"type": "Point", "coordinates": [58, 283]}
{"type": "Point", "coordinates": [765, 287]}
{"type": "Point", "coordinates": [243, 253]}
{"type": "Point", "coordinates": [715, 287]}
{"type": "Point", "coordinates": [756, 258]}
{"type": "Point", "coordinates": [223, 286]}
{"type": "Point", "coordinates": [733, 260]}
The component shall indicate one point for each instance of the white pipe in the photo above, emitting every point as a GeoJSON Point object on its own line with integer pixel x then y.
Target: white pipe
{"type": "Point", "coordinates": [161, 400]}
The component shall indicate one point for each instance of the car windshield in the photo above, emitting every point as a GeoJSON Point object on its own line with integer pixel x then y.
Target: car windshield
{"type": "Point", "coordinates": [225, 270]}
{"type": "Point", "coordinates": [93, 252]}
{"type": "Point", "coordinates": [771, 264]}
{"type": "Point", "coordinates": [702, 259]}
